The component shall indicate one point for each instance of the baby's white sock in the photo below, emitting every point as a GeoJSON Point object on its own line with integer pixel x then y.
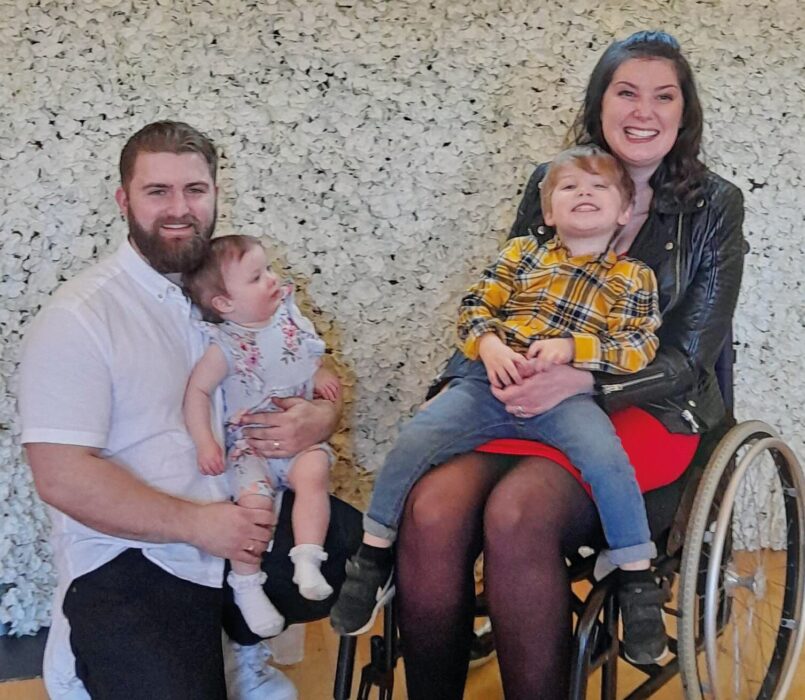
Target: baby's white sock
{"type": "Point", "coordinates": [258, 611]}
{"type": "Point", "coordinates": [307, 559]}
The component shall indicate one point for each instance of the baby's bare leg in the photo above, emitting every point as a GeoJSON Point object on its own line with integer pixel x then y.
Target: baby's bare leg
{"type": "Point", "coordinates": [310, 479]}
{"type": "Point", "coordinates": [250, 500]}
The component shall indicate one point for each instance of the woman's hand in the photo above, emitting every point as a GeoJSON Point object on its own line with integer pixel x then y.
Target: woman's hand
{"type": "Point", "coordinates": [299, 425]}
{"type": "Point", "coordinates": [542, 391]}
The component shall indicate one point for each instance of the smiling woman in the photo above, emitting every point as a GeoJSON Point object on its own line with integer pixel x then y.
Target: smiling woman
{"type": "Point", "coordinates": [642, 104]}
{"type": "Point", "coordinates": [528, 513]}
{"type": "Point", "coordinates": [642, 112]}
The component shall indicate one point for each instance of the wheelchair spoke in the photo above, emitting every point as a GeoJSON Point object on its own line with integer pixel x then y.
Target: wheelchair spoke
{"type": "Point", "coordinates": [743, 572]}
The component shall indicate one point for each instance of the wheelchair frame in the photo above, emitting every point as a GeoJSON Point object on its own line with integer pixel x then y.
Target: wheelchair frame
{"type": "Point", "coordinates": [703, 518]}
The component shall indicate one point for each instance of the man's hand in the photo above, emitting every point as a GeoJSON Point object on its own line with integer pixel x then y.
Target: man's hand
{"type": "Point", "coordinates": [552, 351]}
{"type": "Point", "coordinates": [232, 531]}
{"type": "Point", "coordinates": [107, 497]}
{"type": "Point", "coordinates": [299, 425]}
{"type": "Point", "coordinates": [503, 365]}
{"type": "Point", "coordinates": [210, 458]}
{"type": "Point", "coordinates": [544, 390]}
{"type": "Point", "coordinates": [326, 385]}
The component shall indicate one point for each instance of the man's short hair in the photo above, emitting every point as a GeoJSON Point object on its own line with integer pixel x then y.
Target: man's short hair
{"type": "Point", "coordinates": [166, 137]}
{"type": "Point", "coordinates": [590, 159]}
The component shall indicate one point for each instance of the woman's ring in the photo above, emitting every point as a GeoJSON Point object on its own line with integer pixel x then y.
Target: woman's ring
{"type": "Point", "coordinates": [519, 412]}
{"type": "Point", "coordinates": [276, 444]}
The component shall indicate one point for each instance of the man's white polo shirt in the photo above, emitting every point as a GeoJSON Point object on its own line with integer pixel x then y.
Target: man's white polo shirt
{"type": "Point", "coordinates": [105, 365]}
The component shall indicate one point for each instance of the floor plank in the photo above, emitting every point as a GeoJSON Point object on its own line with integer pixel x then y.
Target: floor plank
{"type": "Point", "coordinates": [315, 674]}
{"type": "Point", "coordinates": [314, 678]}
{"type": "Point", "coordinates": [23, 690]}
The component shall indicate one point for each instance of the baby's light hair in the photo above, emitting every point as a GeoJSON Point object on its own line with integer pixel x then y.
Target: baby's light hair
{"type": "Point", "coordinates": [207, 281]}
{"type": "Point", "coordinates": [591, 159]}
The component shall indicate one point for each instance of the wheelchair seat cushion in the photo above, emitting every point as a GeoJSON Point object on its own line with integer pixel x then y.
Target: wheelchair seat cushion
{"type": "Point", "coordinates": [658, 456]}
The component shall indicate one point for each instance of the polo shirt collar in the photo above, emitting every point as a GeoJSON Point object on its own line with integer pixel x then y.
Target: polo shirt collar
{"type": "Point", "coordinates": [146, 276]}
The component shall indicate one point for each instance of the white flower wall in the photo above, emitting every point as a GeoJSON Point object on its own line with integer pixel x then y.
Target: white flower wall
{"type": "Point", "coordinates": [381, 148]}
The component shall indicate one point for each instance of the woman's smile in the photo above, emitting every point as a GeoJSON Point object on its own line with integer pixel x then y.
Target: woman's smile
{"type": "Point", "coordinates": [642, 111]}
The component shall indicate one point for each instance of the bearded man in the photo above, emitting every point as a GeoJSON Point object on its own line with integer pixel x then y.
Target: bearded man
{"type": "Point", "coordinates": [139, 534]}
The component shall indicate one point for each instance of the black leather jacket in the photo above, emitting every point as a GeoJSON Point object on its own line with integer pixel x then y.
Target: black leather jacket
{"type": "Point", "coordinates": [696, 252]}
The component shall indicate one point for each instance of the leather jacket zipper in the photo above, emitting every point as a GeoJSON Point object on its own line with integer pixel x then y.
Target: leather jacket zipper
{"type": "Point", "coordinates": [687, 415]}
{"type": "Point", "coordinates": [612, 388]}
{"type": "Point", "coordinates": [691, 421]}
{"type": "Point", "coordinates": [678, 256]}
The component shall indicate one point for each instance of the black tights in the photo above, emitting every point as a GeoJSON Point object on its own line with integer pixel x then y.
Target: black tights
{"type": "Point", "coordinates": [525, 519]}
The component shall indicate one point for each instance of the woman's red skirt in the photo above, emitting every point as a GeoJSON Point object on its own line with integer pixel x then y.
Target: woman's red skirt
{"type": "Point", "coordinates": [658, 456]}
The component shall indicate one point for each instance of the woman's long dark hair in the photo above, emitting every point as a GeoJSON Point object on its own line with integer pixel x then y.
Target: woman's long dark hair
{"type": "Point", "coordinates": [681, 173]}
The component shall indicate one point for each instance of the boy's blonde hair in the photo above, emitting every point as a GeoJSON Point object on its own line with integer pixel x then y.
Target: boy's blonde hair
{"type": "Point", "coordinates": [207, 281]}
{"type": "Point", "coordinates": [590, 159]}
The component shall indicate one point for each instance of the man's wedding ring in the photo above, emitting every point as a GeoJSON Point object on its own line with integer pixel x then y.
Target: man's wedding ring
{"type": "Point", "coordinates": [250, 548]}
{"type": "Point", "coordinates": [519, 412]}
{"type": "Point", "coordinates": [275, 444]}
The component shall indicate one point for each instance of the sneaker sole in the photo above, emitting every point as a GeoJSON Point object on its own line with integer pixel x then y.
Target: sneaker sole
{"type": "Point", "coordinates": [483, 660]}
{"type": "Point", "coordinates": [646, 660]}
{"type": "Point", "coordinates": [479, 658]}
{"type": "Point", "coordinates": [385, 596]}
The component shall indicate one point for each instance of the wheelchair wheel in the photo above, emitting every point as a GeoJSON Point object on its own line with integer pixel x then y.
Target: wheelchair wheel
{"type": "Point", "coordinates": [743, 572]}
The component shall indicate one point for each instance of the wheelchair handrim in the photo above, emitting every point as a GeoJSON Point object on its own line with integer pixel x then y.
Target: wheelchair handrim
{"type": "Point", "coordinates": [714, 569]}
{"type": "Point", "coordinates": [707, 507]}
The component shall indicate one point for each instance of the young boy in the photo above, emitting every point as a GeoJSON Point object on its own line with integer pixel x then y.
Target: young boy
{"type": "Point", "coordinates": [262, 348]}
{"type": "Point", "coordinates": [569, 301]}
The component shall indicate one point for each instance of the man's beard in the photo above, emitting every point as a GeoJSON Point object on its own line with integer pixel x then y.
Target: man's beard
{"type": "Point", "coordinates": [177, 255]}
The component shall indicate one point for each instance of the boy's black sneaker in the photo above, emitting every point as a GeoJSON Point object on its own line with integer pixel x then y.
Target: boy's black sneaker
{"type": "Point", "coordinates": [641, 599]}
{"type": "Point", "coordinates": [482, 646]}
{"type": "Point", "coordinates": [367, 588]}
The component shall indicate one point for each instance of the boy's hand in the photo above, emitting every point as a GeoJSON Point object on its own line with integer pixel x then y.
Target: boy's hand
{"type": "Point", "coordinates": [553, 351]}
{"type": "Point", "coordinates": [326, 385]}
{"type": "Point", "coordinates": [503, 365]}
{"type": "Point", "coordinates": [210, 458]}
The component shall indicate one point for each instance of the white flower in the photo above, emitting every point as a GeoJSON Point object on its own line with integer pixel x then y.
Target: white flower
{"type": "Point", "coordinates": [380, 150]}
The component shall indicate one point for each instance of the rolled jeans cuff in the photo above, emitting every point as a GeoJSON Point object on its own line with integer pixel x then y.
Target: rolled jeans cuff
{"type": "Point", "coordinates": [637, 552]}
{"type": "Point", "coordinates": [377, 529]}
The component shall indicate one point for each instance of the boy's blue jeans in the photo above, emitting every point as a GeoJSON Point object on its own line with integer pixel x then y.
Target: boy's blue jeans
{"type": "Point", "coordinates": [466, 415]}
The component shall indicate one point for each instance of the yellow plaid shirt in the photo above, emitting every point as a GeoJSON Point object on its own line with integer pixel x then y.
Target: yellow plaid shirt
{"type": "Point", "coordinates": [608, 305]}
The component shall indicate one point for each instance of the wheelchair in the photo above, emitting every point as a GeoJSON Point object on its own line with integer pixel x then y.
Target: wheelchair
{"type": "Point", "coordinates": [731, 532]}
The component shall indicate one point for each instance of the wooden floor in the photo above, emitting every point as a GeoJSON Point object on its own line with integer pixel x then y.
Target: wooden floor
{"type": "Point", "coordinates": [314, 676]}
{"type": "Point", "coordinates": [321, 645]}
